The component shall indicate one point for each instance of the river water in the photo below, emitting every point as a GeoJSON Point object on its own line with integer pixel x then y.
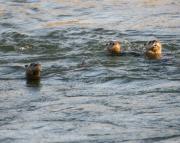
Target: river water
{"type": "Point", "coordinates": [86, 95]}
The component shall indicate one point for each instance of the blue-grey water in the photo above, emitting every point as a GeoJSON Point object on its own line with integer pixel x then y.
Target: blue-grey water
{"type": "Point", "coordinates": [86, 95]}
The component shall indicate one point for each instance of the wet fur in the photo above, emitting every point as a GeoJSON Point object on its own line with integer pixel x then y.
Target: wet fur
{"type": "Point", "coordinates": [33, 71]}
{"type": "Point", "coordinates": [114, 47]}
{"type": "Point", "coordinates": [153, 49]}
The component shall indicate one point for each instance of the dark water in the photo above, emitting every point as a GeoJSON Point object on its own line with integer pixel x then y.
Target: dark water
{"type": "Point", "coordinates": [110, 98]}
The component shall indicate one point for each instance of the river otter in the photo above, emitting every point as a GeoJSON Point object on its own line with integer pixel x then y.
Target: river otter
{"type": "Point", "coordinates": [33, 71]}
{"type": "Point", "coordinates": [153, 49]}
{"type": "Point", "coordinates": [114, 47]}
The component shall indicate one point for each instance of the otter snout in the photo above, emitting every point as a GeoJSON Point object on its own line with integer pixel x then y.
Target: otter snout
{"type": "Point", "coordinates": [153, 49]}
{"type": "Point", "coordinates": [114, 47]}
{"type": "Point", "coordinates": [33, 71]}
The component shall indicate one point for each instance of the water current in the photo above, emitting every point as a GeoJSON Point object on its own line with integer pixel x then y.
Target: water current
{"type": "Point", "coordinates": [86, 95]}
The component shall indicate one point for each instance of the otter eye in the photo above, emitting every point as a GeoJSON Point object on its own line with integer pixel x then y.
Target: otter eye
{"type": "Point", "coordinates": [112, 43]}
{"type": "Point", "coordinates": [32, 64]}
{"type": "Point", "coordinates": [107, 44]}
{"type": "Point", "coordinates": [149, 42]}
{"type": "Point", "coordinates": [154, 41]}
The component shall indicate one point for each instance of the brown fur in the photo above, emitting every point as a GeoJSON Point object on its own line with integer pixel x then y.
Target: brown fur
{"type": "Point", "coordinates": [114, 47]}
{"type": "Point", "coordinates": [153, 50]}
{"type": "Point", "coordinates": [33, 71]}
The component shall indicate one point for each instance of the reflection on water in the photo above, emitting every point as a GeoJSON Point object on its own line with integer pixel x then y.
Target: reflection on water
{"type": "Point", "coordinates": [61, 23]}
{"type": "Point", "coordinates": [33, 83]}
{"type": "Point", "coordinates": [86, 95]}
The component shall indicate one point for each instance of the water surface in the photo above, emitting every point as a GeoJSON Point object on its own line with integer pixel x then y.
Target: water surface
{"type": "Point", "coordinates": [86, 95]}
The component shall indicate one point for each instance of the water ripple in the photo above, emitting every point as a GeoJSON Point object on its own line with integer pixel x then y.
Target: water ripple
{"type": "Point", "coordinates": [85, 94]}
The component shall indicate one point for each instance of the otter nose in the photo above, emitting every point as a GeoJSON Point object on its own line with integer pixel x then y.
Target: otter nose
{"type": "Point", "coordinates": [154, 44]}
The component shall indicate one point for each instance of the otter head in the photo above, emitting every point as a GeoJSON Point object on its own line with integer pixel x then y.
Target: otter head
{"type": "Point", "coordinates": [153, 49]}
{"type": "Point", "coordinates": [33, 71]}
{"type": "Point", "coordinates": [114, 47]}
